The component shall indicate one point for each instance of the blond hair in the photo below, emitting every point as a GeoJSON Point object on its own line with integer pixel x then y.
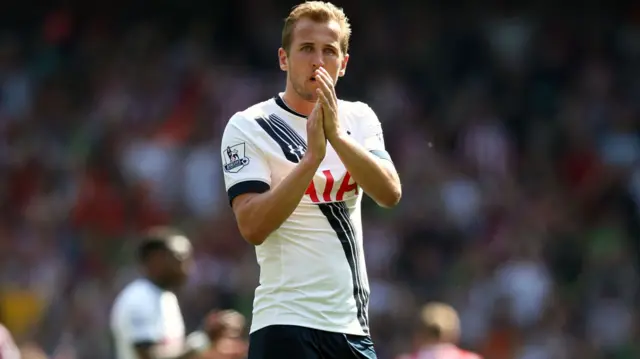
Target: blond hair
{"type": "Point", "coordinates": [441, 320]}
{"type": "Point", "coordinates": [318, 11]}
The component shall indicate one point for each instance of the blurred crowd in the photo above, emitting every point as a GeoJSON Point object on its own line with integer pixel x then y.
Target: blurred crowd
{"type": "Point", "coordinates": [514, 129]}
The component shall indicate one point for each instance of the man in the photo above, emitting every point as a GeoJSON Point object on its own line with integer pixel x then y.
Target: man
{"type": "Point", "coordinates": [439, 330]}
{"type": "Point", "coordinates": [146, 320]}
{"type": "Point", "coordinates": [298, 201]}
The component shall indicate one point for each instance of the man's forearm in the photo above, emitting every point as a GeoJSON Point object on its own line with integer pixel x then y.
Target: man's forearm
{"type": "Point", "coordinates": [264, 213]}
{"type": "Point", "coordinates": [376, 176]}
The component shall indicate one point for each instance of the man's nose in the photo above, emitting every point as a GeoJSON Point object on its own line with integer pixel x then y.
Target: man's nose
{"type": "Point", "coordinates": [318, 60]}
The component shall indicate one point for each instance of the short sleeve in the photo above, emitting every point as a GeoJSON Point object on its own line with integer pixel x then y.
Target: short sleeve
{"type": "Point", "coordinates": [372, 134]}
{"type": "Point", "coordinates": [144, 324]}
{"type": "Point", "coordinates": [244, 165]}
{"type": "Point", "coordinates": [8, 347]}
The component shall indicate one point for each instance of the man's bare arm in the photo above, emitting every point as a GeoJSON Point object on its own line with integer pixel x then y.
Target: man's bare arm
{"type": "Point", "coordinates": [377, 177]}
{"type": "Point", "coordinates": [259, 214]}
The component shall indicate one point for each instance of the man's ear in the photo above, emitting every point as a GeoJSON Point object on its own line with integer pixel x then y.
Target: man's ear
{"type": "Point", "coordinates": [343, 65]}
{"type": "Point", "coordinates": [283, 59]}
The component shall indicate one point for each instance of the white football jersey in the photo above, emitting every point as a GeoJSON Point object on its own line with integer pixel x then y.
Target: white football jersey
{"type": "Point", "coordinates": [312, 268]}
{"type": "Point", "coordinates": [8, 347]}
{"type": "Point", "coordinates": [145, 313]}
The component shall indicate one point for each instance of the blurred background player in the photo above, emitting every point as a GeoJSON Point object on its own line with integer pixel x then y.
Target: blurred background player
{"type": "Point", "coordinates": [146, 320]}
{"type": "Point", "coordinates": [437, 334]}
{"type": "Point", "coordinates": [226, 332]}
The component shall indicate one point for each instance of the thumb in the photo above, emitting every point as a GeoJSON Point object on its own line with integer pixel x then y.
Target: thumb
{"type": "Point", "coordinates": [316, 111]}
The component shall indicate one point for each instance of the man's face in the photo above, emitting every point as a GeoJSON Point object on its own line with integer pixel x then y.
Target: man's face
{"type": "Point", "coordinates": [177, 262]}
{"type": "Point", "coordinates": [314, 44]}
{"type": "Point", "coordinates": [176, 270]}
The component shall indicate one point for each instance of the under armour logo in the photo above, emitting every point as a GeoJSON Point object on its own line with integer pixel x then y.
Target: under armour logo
{"type": "Point", "coordinates": [297, 150]}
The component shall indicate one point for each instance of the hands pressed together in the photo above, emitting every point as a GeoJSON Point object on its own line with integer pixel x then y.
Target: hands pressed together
{"type": "Point", "coordinates": [322, 124]}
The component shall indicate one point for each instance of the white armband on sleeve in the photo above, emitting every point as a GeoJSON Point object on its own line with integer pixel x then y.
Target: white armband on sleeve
{"type": "Point", "coordinates": [372, 134]}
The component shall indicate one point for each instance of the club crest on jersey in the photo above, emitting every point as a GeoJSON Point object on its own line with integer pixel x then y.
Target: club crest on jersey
{"type": "Point", "coordinates": [234, 158]}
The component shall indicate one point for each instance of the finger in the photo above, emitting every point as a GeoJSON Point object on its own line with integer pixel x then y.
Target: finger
{"type": "Point", "coordinates": [326, 84]}
{"type": "Point", "coordinates": [320, 113]}
{"type": "Point", "coordinates": [325, 73]}
{"type": "Point", "coordinates": [319, 102]}
{"type": "Point", "coordinates": [316, 116]}
{"type": "Point", "coordinates": [325, 101]}
{"type": "Point", "coordinates": [321, 118]}
{"type": "Point", "coordinates": [330, 81]}
{"type": "Point", "coordinates": [325, 78]}
{"type": "Point", "coordinates": [316, 108]}
{"type": "Point", "coordinates": [325, 93]}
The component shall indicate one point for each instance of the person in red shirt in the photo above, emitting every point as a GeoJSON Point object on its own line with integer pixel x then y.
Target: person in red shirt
{"type": "Point", "coordinates": [438, 334]}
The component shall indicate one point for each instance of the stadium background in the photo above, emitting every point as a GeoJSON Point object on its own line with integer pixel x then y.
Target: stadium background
{"type": "Point", "coordinates": [514, 126]}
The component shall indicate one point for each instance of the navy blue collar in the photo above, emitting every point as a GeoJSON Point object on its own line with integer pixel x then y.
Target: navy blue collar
{"type": "Point", "coordinates": [280, 102]}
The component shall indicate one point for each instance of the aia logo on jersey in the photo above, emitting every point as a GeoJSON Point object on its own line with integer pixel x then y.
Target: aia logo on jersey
{"type": "Point", "coordinates": [345, 189]}
{"type": "Point", "coordinates": [234, 158]}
